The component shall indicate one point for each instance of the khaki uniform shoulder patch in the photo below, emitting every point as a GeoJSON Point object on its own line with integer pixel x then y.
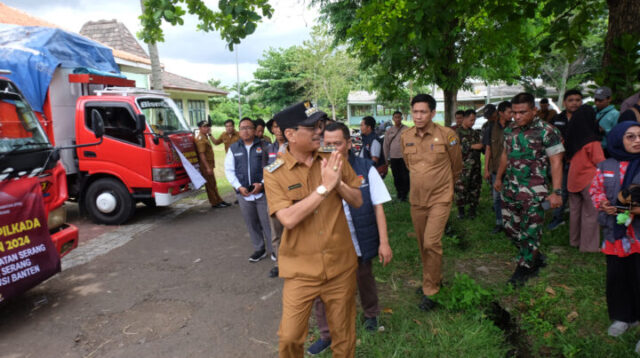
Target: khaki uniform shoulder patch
{"type": "Point", "coordinates": [452, 139]}
{"type": "Point", "coordinates": [275, 165]}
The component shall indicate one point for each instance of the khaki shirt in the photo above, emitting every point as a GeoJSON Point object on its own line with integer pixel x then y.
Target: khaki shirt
{"type": "Point", "coordinates": [203, 145]}
{"type": "Point", "coordinates": [392, 147]}
{"type": "Point", "coordinates": [320, 246]}
{"type": "Point", "coordinates": [434, 161]}
{"type": "Point", "coordinates": [227, 139]}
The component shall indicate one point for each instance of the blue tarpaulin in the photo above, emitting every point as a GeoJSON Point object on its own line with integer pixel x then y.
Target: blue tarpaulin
{"type": "Point", "coordinates": [33, 53]}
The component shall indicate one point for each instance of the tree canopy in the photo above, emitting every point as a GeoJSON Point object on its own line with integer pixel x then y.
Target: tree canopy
{"type": "Point", "coordinates": [439, 41]}
{"type": "Point", "coordinates": [234, 20]}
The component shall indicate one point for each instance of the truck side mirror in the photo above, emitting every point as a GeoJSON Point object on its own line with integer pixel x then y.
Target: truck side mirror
{"type": "Point", "coordinates": [141, 123]}
{"type": "Point", "coordinates": [97, 123]}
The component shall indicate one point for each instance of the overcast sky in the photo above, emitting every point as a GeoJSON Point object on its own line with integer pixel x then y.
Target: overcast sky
{"type": "Point", "coordinates": [186, 51]}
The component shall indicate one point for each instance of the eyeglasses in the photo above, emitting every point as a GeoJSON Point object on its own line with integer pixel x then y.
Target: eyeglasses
{"type": "Point", "coordinates": [631, 137]}
{"type": "Point", "coordinates": [246, 128]}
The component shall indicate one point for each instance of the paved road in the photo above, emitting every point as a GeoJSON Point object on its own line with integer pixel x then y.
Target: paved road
{"type": "Point", "coordinates": [175, 282]}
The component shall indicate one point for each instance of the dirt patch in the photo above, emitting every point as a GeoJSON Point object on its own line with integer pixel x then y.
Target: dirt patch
{"type": "Point", "coordinates": [144, 322]}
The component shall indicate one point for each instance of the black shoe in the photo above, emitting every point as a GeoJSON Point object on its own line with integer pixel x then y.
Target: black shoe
{"type": "Point", "coordinates": [274, 272]}
{"type": "Point", "coordinates": [318, 346]}
{"type": "Point", "coordinates": [496, 229]}
{"type": "Point", "coordinates": [461, 212]}
{"type": "Point", "coordinates": [522, 274]}
{"type": "Point", "coordinates": [540, 261]}
{"type": "Point", "coordinates": [220, 205]}
{"type": "Point", "coordinates": [371, 324]}
{"type": "Point", "coordinates": [226, 203]}
{"type": "Point", "coordinates": [258, 255]}
{"type": "Point", "coordinates": [235, 202]}
{"type": "Point", "coordinates": [427, 304]}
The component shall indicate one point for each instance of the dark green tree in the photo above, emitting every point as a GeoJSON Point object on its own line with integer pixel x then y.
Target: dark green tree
{"type": "Point", "coordinates": [438, 41]}
{"type": "Point", "coordinates": [278, 79]}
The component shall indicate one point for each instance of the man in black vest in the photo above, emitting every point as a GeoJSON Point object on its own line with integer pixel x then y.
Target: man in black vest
{"type": "Point", "coordinates": [368, 226]}
{"type": "Point", "coordinates": [243, 168]}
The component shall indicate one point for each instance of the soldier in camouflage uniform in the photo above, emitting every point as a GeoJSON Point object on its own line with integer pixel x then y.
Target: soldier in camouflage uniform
{"type": "Point", "coordinates": [531, 148]}
{"type": "Point", "coordinates": [468, 186]}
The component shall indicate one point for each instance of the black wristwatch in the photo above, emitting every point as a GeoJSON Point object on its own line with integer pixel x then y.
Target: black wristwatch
{"type": "Point", "coordinates": [557, 191]}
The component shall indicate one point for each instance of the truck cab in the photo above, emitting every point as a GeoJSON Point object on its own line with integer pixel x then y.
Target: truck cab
{"type": "Point", "coordinates": [138, 159]}
{"type": "Point", "coordinates": [25, 152]}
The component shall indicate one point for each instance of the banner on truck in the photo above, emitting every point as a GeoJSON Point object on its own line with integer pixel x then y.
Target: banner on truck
{"type": "Point", "coordinates": [196, 178]}
{"type": "Point", "coordinates": [27, 255]}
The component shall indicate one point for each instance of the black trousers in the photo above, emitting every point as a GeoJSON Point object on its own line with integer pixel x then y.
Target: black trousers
{"type": "Point", "coordinates": [400, 177]}
{"type": "Point", "coordinates": [623, 288]}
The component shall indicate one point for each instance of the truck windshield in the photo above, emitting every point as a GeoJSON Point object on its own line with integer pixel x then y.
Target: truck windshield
{"type": "Point", "coordinates": [162, 115]}
{"type": "Point", "coordinates": [19, 127]}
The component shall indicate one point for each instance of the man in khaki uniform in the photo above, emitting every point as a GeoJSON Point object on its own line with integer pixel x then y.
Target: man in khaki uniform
{"type": "Point", "coordinates": [305, 188]}
{"type": "Point", "coordinates": [433, 156]}
{"type": "Point", "coordinates": [207, 164]}
{"type": "Point", "coordinates": [229, 136]}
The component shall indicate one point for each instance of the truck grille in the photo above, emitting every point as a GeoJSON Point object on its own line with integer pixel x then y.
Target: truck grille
{"type": "Point", "coordinates": [181, 173]}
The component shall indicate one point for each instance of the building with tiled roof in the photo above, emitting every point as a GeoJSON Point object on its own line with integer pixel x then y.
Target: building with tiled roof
{"type": "Point", "coordinates": [115, 34]}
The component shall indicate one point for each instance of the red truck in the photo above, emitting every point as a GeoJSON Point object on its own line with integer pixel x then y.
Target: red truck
{"type": "Point", "coordinates": [137, 159]}
{"type": "Point", "coordinates": [66, 77]}
{"type": "Point", "coordinates": [26, 152]}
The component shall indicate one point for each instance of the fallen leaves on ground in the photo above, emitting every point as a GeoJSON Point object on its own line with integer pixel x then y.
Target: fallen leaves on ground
{"type": "Point", "coordinates": [550, 291]}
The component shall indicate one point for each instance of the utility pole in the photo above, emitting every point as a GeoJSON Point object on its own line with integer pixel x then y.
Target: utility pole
{"type": "Point", "coordinates": [238, 85]}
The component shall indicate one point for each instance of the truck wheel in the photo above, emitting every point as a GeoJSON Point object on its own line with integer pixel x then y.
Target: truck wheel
{"type": "Point", "coordinates": [108, 202]}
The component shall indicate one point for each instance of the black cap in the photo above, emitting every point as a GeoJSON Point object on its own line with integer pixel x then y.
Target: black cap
{"type": "Point", "coordinates": [489, 110]}
{"type": "Point", "coordinates": [204, 123]}
{"type": "Point", "coordinates": [299, 114]}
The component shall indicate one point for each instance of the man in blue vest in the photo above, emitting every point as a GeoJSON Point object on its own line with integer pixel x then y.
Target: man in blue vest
{"type": "Point", "coordinates": [368, 226]}
{"type": "Point", "coordinates": [243, 166]}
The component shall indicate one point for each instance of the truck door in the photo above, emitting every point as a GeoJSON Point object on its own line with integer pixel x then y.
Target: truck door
{"type": "Point", "coordinates": [123, 151]}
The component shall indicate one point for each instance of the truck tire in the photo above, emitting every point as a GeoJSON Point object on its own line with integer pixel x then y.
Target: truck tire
{"type": "Point", "coordinates": [108, 201]}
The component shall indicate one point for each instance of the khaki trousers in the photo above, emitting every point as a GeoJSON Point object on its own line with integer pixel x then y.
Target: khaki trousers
{"type": "Point", "coordinates": [429, 224]}
{"type": "Point", "coordinates": [367, 291]}
{"type": "Point", "coordinates": [212, 189]}
{"type": "Point", "coordinates": [339, 297]}
{"type": "Point", "coordinates": [584, 230]}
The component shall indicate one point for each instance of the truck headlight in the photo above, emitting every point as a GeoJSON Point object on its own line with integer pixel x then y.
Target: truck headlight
{"type": "Point", "coordinates": [163, 174]}
{"type": "Point", "coordinates": [57, 217]}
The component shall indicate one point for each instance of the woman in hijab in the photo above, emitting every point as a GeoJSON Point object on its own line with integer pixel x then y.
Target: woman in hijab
{"type": "Point", "coordinates": [584, 152]}
{"type": "Point", "coordinates": [620, 245]}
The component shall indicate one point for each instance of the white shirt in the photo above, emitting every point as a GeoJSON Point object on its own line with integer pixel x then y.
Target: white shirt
{"type": "Point", "coordinates": [379, 195]}
{"type": "Point", "coordinates": [375, 149]}
{"type": "Point", "coordinates": [230, 172]}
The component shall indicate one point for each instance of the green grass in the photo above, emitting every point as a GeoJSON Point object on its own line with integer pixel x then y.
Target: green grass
{"type": "Point", "coordinates": [562, 312]}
